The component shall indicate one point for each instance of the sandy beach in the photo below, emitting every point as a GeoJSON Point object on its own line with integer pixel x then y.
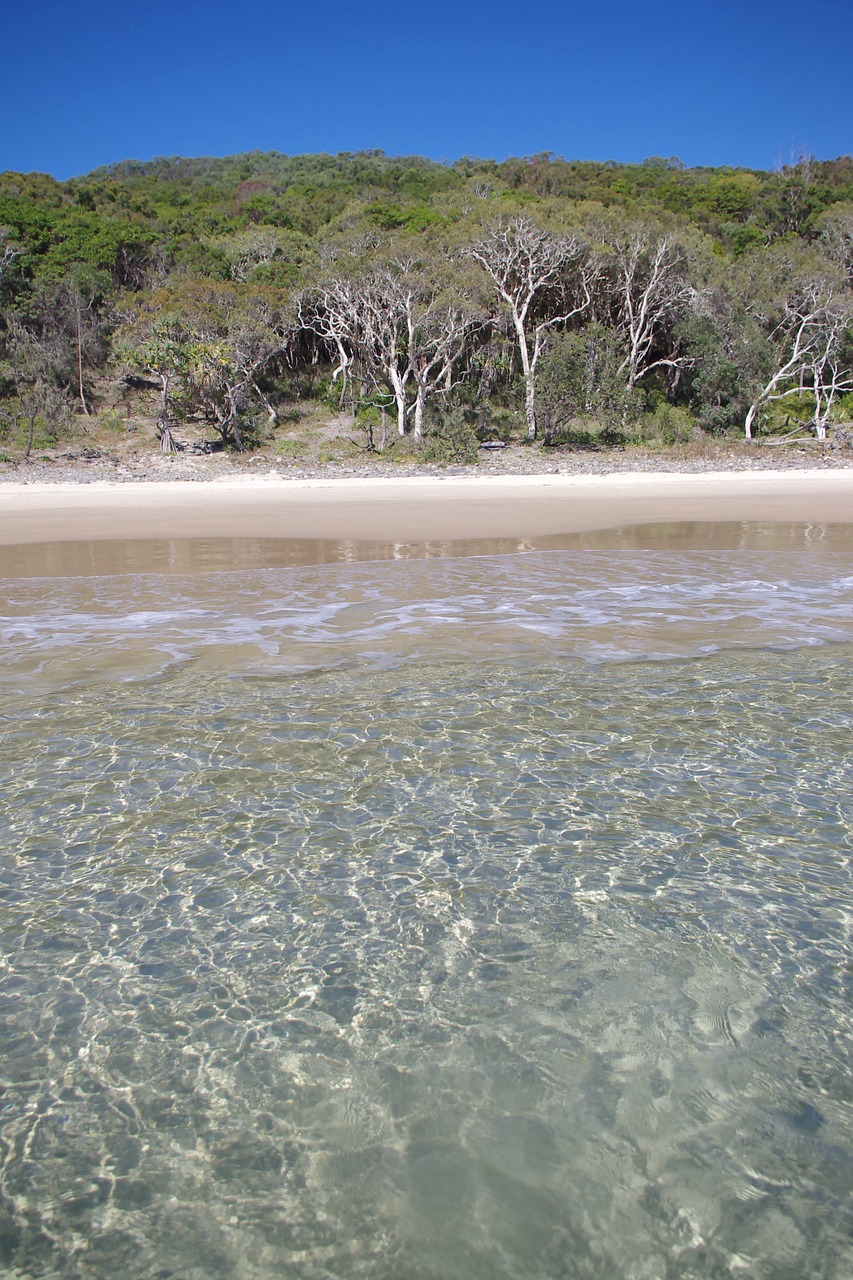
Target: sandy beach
{"type": "Point", "coordinates": [414, 509]}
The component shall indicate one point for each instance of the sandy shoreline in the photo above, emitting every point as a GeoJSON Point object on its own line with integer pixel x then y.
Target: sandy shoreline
{"type": "Point", "coordinates": [415, 509]}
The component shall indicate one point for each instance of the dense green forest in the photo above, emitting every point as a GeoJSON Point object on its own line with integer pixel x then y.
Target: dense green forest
{"type": "Point", "coordinates": [538, 298]}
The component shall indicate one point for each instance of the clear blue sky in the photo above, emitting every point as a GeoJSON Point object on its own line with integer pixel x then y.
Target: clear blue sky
{"type": "Point", "coordinates": [744, 82]}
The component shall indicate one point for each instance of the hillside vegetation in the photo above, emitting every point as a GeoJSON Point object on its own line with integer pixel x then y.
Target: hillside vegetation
{"type": "Point", "coordinates": [254, 299]}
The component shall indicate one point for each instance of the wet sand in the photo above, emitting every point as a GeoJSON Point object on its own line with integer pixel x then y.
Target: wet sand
{"type": "Point", "coordinates": [414, 510]}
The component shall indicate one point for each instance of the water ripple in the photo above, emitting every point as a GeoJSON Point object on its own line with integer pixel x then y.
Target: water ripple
{"type": "Point", "coordinates": [597, 606]}
{"type": "Point", "coordinates": [427, 972]}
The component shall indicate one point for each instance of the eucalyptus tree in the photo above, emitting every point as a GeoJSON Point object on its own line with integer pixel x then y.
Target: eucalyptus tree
{"type": "Point", "coordinates": [330, 312]}
{"type": "Point", "coordinates": [644, 291]}
{"type": "Point", "coordinates": [403, 322]}
{"type": "Point", "coordinates": [258, 252]}
{"type": "Point", "coordinates": [543, 280]}
{"type": "Point", "coordinates": [831, 366]}
{"type": "Point", "coordinates": [9, 252]}
{"type": "Point", "coordinates": [810, 351]}
{"type": "Point", "coordinates": [443, 325]}
{"type": "Point", "coordinates": [79, 309]}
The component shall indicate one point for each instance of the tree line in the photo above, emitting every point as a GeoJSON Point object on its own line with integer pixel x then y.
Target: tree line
{"type": "Point", "coordinates": [557, 294]}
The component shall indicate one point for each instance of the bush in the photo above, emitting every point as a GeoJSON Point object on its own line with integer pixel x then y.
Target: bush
{"type": "Point", "coordinates": [719, 420]}
{"type": "Point", "coordinates": [449, 437]}
{"type": "Point", "coordinates": [669, 425]}
{"type": "Point", "coordinates": [376, 425]}
{"type": "Point", "coordinates": [580, 380]}
{"type": "Point", "coordinates": [115, 422]}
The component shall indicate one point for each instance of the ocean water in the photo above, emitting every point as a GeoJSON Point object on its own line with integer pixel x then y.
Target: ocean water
{"type": "Point", "coordinates": [470, 916]}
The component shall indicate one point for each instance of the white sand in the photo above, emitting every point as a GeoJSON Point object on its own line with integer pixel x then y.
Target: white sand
{"type": "Point", "coordinates": [415, 509]}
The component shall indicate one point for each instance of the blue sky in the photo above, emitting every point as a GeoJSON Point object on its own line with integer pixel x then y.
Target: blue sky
{"type": "Point", "coordinates": [750, 83]}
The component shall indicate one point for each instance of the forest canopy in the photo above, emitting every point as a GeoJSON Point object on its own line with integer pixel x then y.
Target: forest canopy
{"type": "Point", "coordinates": [546, 297]}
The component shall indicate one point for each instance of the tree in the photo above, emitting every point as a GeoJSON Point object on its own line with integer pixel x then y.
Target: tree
{"type": "Point", "coordinates": [581, 378]}
{"type": "Point", "coordinates": [645, 293]}
{"type": "Point", "coordinates": [233, 335]}
{"type": "Point", "coordinates": [257, 251]}
{"type": "Point", "coordinates": [798, 195]}
{"type": "Point", "coordinates": [159, 347]}
{"type": "Point", "coordinates": [33, 373]}
{"type": "Point", "coordinates": [83, 290]}
{"type": "Point", "coordinates": [402, 324]}
{"type": "Point", "coordinates": [76, 308]}
{"type": "Point", "coordinates": [9, 251]}
{"type": "Point", "coordinates": [441, 325]}
{"type": "Point", "coordinates": [543, 280]}
{"type": "Point", "coordinates": [212, 341]}
{"type": "Point", "coordinates": [728, 351]}
{"type": "Point", "coordinates": [808, 352]}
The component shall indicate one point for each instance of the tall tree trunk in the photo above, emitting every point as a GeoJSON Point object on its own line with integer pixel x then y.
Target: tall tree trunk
{"type": "Point", "coordinates": [31, 430]}
{"type": "Point", "coordinates": [530, 405]}
{"type": "Point", "coordinates": [399, 398]}
{"type": "Point", "coordinates": [420, 402]}
{"type": "Point", "coordinates": [167, 444]}
{"type": "Point", "coordinates": [80, 359]}
{"type": "Point", "coordinates": [529, 381]}
{"type": "Point", "coordinates": [234, 422]}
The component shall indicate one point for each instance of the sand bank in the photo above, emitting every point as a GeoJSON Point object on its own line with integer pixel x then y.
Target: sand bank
{"type": "Point", "coordinates": [414, 509]}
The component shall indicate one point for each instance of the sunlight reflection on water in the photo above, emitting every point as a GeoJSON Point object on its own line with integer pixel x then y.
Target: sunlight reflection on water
{"type": "Point", "coordinates": [496, 963]}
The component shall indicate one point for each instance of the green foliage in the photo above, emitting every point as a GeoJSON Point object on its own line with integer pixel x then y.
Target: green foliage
{"type": "Point", "coordinates": [187, 243]}
{"type": "Point", "coordinates": [729, 353]}
{"type": "Point", "coordinates": [668, 425]}
{"type": "Point", "coordinates": [398, 217]}
{"type": "Point", "coordinates": [581, 381]}
{"type": "Point", "coordinates": [372, 423]}
{"type": "Point", "coordinates": [449, 437]}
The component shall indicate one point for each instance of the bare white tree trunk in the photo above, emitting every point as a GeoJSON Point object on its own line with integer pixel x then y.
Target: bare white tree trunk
{"type": "Point", "coordinates": [528, 372]}
{"type": "Point", "coordinates": [270, 410]}
{"type": "Point", "coordinates": [398, 387]}
{"type": "Point", "coordinates": [418, 416]}
{"type": "Point", "coordinates": [525, 264]}
{"type": "Point", "coordinates": [390, 318]}
{"type": "Point", "coordinates": [645, 291]}
{"type": "Point", "coordinates": [811, 336]}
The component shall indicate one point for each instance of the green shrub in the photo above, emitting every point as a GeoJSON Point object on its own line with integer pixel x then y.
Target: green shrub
{"type": "Point", "coordinates": [581, 379]}
{"type": "Point", "coordinates": [449, 437]}
{"type": "Point", "coordinates": [669, 425]}
{"type": "Point", "coordinates": [114, 421]}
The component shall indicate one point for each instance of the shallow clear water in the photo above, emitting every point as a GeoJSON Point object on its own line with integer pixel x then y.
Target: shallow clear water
{"type": "Point", "coordinates": [600, 606]}
{"type": "Point", "coordinates": [468, 918]}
